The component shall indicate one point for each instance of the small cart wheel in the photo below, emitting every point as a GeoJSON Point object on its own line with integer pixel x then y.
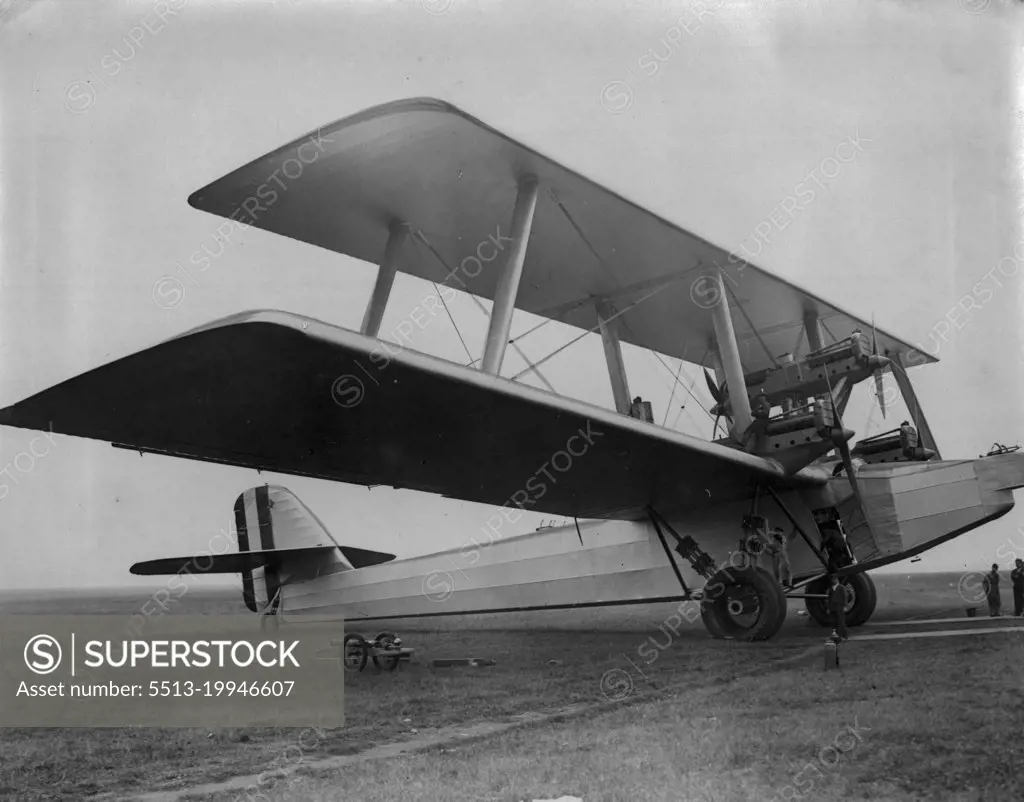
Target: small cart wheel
{"type": "Point", "coordinates": [354, 652]}
{"type": "Point", "coordinates": [387, 641]}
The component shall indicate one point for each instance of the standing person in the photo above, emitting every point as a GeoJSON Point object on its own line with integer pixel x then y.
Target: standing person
{"type": "Point", "coordinates": [760, 412]}
{"type": "Point", "coordinates": [992, 591]}
{"type": "Point", "coordinates": [837, 607]}
{"type": "Point", "coordinates": [756, 543]}
{"type": "Point", "coordinates": [780, 558]}
{"type": "Point", "coordinates": [1017, 580]}
{"type": "Point", "coordinates": [832, 545]}
{"type": "Point", "coordinates": [908, 439]}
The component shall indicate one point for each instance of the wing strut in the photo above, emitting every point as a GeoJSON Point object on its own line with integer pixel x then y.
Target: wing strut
{"type": "Point", "coordinates": [753, 328]}
{"type": "Point", "coordinates": [511, 273]}
{"type": "Point", "coordinates": [813, 330]}
{"type": "Point", "coordinates": [796, 525]}
{"type": "Point", "coordinates": [916, 413]}
{"type": "Point", "coordinates": [668, 554]}
{"type": "Point", "coordinates": [609, 325]}
{"type": "Point", "coordinates": [398, 232]}
{"type": "Point", "coordinates": [583, 334]}
{"type": "Point", "coordinates": [729, 352]}
{"type": "Point", "coordinates": [687, 547]}
{"type": "Point", "coordinates": [422, 238]}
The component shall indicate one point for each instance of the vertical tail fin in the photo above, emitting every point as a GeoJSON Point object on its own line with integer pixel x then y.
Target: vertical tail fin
{"type": "Point", "coordinates": [270, 518]}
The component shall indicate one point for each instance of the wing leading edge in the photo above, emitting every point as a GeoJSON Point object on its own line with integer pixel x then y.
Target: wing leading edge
{"type": "Point", "coordinates": [279, 392]}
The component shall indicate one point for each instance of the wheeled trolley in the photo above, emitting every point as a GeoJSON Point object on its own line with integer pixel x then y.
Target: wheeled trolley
{"type": "Point", "coordinates": [386, 650]}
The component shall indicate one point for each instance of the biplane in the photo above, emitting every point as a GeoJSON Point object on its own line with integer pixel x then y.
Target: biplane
{"type": "Point", "coordinates": [420, 187]}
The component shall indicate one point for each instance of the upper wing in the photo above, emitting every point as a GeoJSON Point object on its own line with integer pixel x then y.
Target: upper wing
{"type": "Point", "coordinates": [284, 393]}
{"type": "Point", "coordinates": [452, 180]}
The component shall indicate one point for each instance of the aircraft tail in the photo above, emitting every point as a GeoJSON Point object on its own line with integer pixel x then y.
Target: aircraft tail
{"type": "Point", "coordinates": [279, 540]}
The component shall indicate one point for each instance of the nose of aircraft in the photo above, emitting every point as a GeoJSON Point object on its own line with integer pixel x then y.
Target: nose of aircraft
{"type": "Point", "coordinates": [915, 506]}
{"type": "Point", "coordinates": [1002, 473]}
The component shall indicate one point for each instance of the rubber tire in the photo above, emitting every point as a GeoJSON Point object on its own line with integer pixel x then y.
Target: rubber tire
{"type": "Point", "coordinates": [769, 592]}
{"type": "Point", "coordinates": [865, 600]}
{"type": "Point", "coordinates": [354, 639]}
{"type": "Point", "coordinates": [780, 592]}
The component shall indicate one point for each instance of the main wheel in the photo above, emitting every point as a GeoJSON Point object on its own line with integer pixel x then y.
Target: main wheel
{"type": "Point", "coordinates": [743, 604]}
{"type": "Point", "coordinates": [861, 599]}
{"type": "Point", "coordinates": [779, 591]}
{"type": "Point", "coordinates": [354, 651]}
{"type": "Point", "coordinates": [865, 598]}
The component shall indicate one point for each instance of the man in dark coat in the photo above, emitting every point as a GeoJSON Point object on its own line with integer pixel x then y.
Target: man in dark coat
{"type": "Point", "coordinates": [760, 412]}
{"type": "Point", "coordinates": [992, 591]}
{"type": "Point", "coordinates": [837, 607]}
{"type": "Point", "coordinates": [832, 545]}
{"type": "Point", "coordinates": [1017, 580]}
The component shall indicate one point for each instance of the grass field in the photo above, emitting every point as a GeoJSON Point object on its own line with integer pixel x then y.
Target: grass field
{"type": "Point", "coordinates": [935, 718]}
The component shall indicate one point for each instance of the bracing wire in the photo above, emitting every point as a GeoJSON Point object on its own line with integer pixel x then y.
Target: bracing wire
{"type": "Point", "coordinates": [592, 329]}
{"type": "Point", "coordinates": [452, 319]}
{"type": "Point", "coordinates": [420, 236]}
{"type": "Point", "coordinates": [751, 324]}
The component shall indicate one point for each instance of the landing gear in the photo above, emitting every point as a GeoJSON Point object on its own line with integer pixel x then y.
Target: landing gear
{"type": "Point", "coordinates": [861, 599]}
{"type": "Point", "coordinates": [743, 604]}
{"type": "Point", "coordinates": [740, 602]}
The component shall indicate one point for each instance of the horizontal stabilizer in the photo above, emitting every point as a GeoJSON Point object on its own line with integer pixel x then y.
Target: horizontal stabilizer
{"type": "Point", "coordinates": [239, 562]}
{"type": "Point", "coordinates": [363, 558]}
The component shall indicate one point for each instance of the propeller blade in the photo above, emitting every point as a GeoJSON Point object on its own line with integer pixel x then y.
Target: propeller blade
{"type": "Point", "coordinates": [844, 451]}
{"type": "Point", "coordinates": [880, 391]}
{"type": "Point", "coordinates": [716, 393]}
{"type": "Point", "coordinates": [841, 440]}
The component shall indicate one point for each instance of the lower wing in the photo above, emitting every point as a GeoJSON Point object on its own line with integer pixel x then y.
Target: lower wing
{"type": "Point", "coordinates": [292, 395]}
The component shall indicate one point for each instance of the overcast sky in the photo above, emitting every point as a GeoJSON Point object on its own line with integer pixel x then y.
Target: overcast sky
{"type": "Point", "coordinates": [708, 122]}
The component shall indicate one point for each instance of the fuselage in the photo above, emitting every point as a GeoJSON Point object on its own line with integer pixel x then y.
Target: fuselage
{"type": "Point", "coordinates": [912, 506]}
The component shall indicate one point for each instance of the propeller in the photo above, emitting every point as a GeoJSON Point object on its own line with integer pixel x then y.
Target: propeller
{"type": "Point", "coordinates": [716, 391]}
{"type": "Point", "coordinates": [877, 362]}
{"type": "Point", "coordinates": [840, 437]}
{"type": "Point", "coordinates": [719, 394]}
